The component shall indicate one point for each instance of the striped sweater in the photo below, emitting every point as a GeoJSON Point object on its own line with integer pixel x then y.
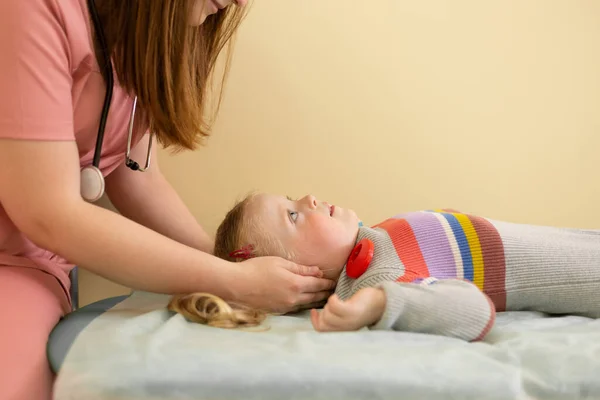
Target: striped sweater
{"type": "Point", "coordinates": [447, 273]}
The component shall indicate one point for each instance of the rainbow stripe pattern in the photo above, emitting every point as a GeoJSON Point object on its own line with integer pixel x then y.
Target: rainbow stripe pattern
{"type": "Point", "coordinates": [447, 244]}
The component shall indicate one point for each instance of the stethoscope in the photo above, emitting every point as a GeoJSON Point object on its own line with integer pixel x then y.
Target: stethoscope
{"type": "Point", "coordinates": [92, 180]}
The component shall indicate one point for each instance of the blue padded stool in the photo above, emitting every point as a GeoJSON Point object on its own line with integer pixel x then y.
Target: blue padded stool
{"type": "Point", "coordinates": [66, 331]}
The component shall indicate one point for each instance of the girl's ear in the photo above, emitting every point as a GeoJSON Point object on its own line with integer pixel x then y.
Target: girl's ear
{"type": "Point", "coordinates": [244, 253]}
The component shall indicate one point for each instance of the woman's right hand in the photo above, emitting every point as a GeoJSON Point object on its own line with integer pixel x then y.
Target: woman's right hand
{"type": "Point", "coordinates": [277, 285]}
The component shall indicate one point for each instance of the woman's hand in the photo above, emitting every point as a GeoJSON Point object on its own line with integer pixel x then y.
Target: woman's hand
{"type": "Point", "coordinates": [277, 285]}
{"type": "Point", "coordinates": [363, 309]}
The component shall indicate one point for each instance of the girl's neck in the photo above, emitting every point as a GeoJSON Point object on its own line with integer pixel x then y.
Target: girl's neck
{"type": "Point", "coordinates": [333, 273]}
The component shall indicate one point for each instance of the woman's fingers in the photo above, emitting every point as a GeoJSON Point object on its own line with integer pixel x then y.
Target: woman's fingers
{"type": "Point", "coordinates": [307, 304]}
{"type": "Point", "coordinates": [303, 270]}
{"type": "Point", "coordinates": [274, 284]}
{"type": "Point", "coordinates": [308, 271]}
{"type": "Point", "coordinates": [308, 300]}
{"type": "Point", "coordinates": [310, 284]}
{"type": "Point", "coordinates": [308, 279]}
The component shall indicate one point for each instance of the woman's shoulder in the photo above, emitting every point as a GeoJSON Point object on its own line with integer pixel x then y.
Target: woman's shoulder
{"type": "Point", "coordinates": [47, 12]}
{"type": "Point", "coordinates": [59, 26]}
{"type": "Point", "coordinates": [44, 44]}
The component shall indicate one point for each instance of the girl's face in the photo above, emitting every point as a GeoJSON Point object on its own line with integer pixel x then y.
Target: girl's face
{"type": "Point", "coordinates": [315, 232]}
{"type": "Point", "coordinates": [203, 8]}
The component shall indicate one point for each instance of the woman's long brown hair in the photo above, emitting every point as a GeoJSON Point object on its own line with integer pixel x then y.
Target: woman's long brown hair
{"type": "Point", "coordinates": [167, 63]}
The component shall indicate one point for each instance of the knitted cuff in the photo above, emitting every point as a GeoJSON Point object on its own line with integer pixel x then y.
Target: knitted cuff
{"type": "Point", "coordinates": [394, 307]}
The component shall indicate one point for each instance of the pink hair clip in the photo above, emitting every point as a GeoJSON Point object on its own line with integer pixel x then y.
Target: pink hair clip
{"type": "Point", "coordinates": [244, 253]}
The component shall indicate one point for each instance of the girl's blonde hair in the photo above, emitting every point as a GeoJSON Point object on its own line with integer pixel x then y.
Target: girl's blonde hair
{"type": "Point", "coordinates": [237, 230]}
{"type": "Point", "coordinates": [208, 309]}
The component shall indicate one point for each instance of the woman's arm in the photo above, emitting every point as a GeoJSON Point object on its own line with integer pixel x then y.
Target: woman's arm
{"type": "Point", "coordinates": [39, 189]}
{"type": "Point", "coordinates": [148, 199]}
{"type": "Point", "coordinates": [40, 173]}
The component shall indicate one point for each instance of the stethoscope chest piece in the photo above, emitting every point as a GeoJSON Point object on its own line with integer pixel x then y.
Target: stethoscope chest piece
{"type": "Point", "coordinates": [92, 184]}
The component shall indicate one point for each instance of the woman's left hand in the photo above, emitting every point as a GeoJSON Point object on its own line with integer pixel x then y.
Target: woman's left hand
{"type": "Point", "coordinates": [364, 308]}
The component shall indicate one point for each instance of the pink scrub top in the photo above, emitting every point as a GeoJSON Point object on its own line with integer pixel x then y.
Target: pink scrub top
{"type": "Point", "coordinates": [51, 88]}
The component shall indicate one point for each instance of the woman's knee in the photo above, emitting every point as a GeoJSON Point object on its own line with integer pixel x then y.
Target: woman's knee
{"type": "Point", "coordinates": [31, 303]}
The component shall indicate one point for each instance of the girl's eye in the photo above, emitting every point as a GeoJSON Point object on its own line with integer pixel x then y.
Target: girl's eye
{"type": "Point", "coordinates": [293, 215]}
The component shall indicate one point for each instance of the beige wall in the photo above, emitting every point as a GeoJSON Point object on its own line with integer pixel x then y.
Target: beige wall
{"type": "Point", "coordinates": [491, 107]}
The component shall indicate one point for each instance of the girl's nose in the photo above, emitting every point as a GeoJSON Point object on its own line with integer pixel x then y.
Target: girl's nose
{"type": "Point", "coordinates": [311, 201]}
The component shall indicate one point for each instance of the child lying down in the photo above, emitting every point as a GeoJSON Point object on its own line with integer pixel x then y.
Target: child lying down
{"type": "Point", "coordinates": [438, 272]}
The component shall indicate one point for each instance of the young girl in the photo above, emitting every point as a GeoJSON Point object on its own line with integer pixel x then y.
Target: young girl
{"type": "Point", "coordinates": [439, 272]}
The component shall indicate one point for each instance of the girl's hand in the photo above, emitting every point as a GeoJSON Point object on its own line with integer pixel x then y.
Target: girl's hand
{"type": "Point", "coordinates": [363, 309]}
{"type": "Point", "coordinates": [277, 285]}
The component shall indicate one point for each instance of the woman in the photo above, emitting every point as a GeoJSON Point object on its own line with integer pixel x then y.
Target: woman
{"type": "Point", "coordinates": [52, 80]}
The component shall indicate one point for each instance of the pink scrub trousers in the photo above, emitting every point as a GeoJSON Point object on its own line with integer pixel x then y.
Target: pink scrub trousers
{"type": "Point", "coordinates": [31, 304]}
